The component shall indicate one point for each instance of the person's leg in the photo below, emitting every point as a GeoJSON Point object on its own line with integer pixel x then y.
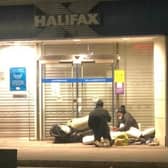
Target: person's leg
{"type": "Point", "coordinates": [107, 137]}
{"type": "Point", "coordinates": [98, 138]}
{"type": "Point", "coordinates": [96, 135]}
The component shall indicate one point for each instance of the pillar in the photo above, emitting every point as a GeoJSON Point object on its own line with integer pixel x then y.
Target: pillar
{"type": "Point", "coordinates": [160, 100]}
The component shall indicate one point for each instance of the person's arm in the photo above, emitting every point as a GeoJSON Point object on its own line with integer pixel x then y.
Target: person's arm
{"type": "Point", "coordinates": [108, 117]}
{"type": "Point", "coordinates": [117, 127]}
{"type": "Point", "coordinates": [127, 123]}
{"type": "Point", "coordinates": [118, 123]}
{"type": "Point", "coordinates": [90, 121]}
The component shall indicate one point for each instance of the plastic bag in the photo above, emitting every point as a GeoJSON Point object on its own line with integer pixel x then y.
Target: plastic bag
{"type": "Point", "coordinates": [121, 140]}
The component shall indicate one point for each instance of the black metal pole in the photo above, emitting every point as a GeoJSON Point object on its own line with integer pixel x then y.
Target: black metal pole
{"type": "Point", "coordinates": [77, 89]}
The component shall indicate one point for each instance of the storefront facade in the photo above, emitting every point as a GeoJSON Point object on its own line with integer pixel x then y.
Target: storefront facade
{"type": "Point", "coordinates": [58, 58]}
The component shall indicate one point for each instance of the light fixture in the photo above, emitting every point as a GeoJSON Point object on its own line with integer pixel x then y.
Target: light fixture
{"type": "Point", "coordinates": [125, 38]}
{"type": "Point", "coordinates": [76, 40]}
{"type": "Point", "coordinates": [118, 57]}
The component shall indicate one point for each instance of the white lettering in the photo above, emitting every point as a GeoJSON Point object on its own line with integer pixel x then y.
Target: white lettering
{"type": "Point", "coordinates": [82, 20]}
{"type": "Point", "coordinates": [51, 21]}
{"type": "Point", "coordinates": [39, 21]}
{"type": "Point", "coordinates": [73, 19]}
{"type": "Point", "coordinates": [93, 19]}
{"type": "Point", "coordinates": [62, 20]}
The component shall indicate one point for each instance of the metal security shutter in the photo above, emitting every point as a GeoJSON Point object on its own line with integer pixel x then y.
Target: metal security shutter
{"type": "Point", "coordinates": [16, 115]}
{"type": "Point", "coordinates": [59, 106]}
{"type": "Point", "coordinates": [57, 96]}
{"type": "Point", "coordinates": [91, 92]}
{"type": "Point", "coordinates": [139, 96]}
{"type": "Point", "coordinates": [17, 108]}
{"type": "Point", "coordinates": [136, 60]}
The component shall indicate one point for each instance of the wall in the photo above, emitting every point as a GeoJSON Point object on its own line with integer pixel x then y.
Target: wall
{"type": "Point", "coordinates": [160, 88]}
{"type": "Point", "coordinates": [17, 107]}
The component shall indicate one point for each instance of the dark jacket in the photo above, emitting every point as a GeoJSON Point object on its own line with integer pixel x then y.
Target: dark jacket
{"type": "Point", "coordinates": [128, 120]}
{"type": "Point", "coordinates": [99, 118]}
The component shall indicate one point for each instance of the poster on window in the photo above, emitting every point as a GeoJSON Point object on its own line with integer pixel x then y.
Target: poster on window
{"type": "Point", "coordinates": [119, 88]}
{"type": "Point", "coordinates": [119, 79]}
{"type": "Point", "coordinates": [18, 79]}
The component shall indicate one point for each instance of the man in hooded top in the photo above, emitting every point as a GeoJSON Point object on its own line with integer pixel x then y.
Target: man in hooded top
{"type": "Point", "coordinates": [125, 120]}
{"type": "Point", "coordinates": [98, 122]}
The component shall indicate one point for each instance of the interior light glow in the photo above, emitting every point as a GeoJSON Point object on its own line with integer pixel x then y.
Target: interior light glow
{"type": "Point", "coordinates": [80, 56]}
{"type": "Point", "coordinates": [16, 55]}
{"type": "Point", "coordinates": [125, 38]}
{"type": "Point", "coordinates": [76, 40]}
{"type": "Point", "coordinates": [77, 59]}
{"type": "Point", "coordinates": [118, 57]}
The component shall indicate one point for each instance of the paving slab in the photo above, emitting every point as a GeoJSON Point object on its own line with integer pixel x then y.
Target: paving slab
{"type": "Point", "coordinates": [47, 154]}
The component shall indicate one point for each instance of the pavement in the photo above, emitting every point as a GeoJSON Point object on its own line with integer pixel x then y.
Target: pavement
{"type": "Point", "coordinates": [72, 155]}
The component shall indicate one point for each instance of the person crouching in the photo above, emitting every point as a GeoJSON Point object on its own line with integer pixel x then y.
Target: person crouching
{"type": "Point", "coordinates": [98, 122]}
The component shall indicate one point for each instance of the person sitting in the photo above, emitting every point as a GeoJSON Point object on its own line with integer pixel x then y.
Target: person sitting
{"type": "Point", "coordinates": [125, 120]}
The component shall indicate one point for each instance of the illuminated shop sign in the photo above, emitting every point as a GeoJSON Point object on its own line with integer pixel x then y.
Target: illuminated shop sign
{"type": "Point", "coordinates": [65, 20]}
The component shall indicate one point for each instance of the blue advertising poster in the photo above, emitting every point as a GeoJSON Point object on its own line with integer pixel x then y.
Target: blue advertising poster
{"type": "Point", "coordinates": [18, 79]}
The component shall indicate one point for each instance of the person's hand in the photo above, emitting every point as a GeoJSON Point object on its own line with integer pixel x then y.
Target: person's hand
{"type": "Point", "coordinates": [114, 129]}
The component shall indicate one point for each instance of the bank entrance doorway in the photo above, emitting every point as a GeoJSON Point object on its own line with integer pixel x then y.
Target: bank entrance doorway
{"type": "Point", "coordinates": [70, 90]}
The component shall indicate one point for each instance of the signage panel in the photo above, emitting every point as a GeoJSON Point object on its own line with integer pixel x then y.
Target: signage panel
{"type": "Point", "coordinates": [119, 88]}
{"type": "Point", "coordinates": [119, 76]}
{"type": "Point", "coordinates": [75, 80]}
{"type": "Point", "coordinates": [18, 79]}
{"type": "Point", "coordinates": [97, 19]}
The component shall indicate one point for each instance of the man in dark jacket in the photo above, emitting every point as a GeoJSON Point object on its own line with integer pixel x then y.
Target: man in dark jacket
{"type": "Point", "coordinates": [125, 120]}
{"type": "Point", "coordinates": [98, 122]}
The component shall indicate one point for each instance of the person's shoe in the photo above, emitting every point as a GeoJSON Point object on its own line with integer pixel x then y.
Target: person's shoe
{"type": "Point", "coordinates": [107, 143]}
{"type": "Point", "coordinates": [155, 142]}
{"type": "Point", "coordinates": [98, 143]}
{"type": "Point", "coordinates": [112, 142]}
